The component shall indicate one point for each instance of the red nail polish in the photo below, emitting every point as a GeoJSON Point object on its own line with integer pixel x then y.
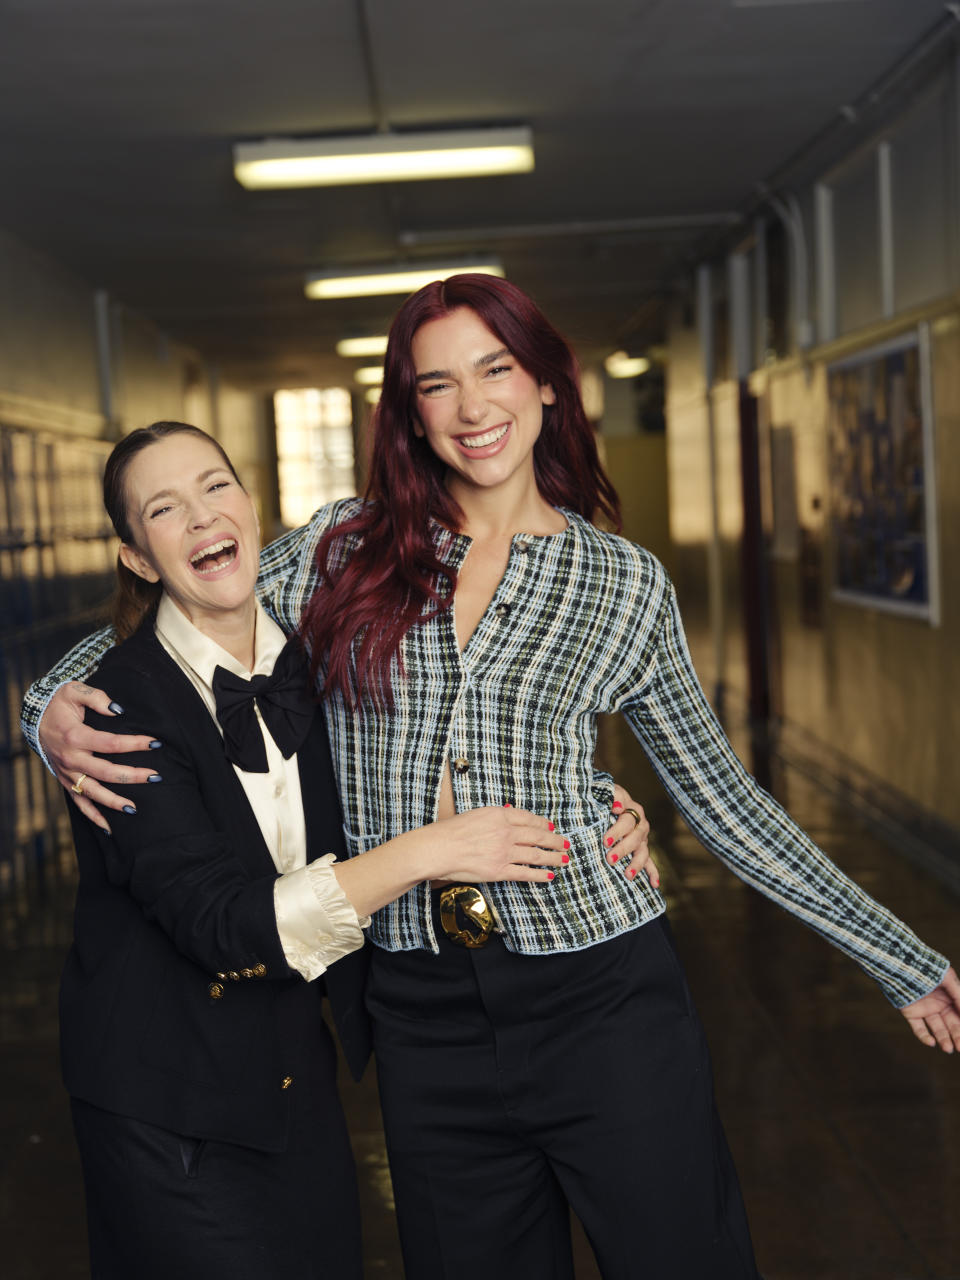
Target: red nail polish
{"type": "Point", "coordinates": [566, 844]}
{"type": "Point", "coordinates": [565, 859]}
{"type": "Point", "coordinates": [609, 841]}
{"type": "Point", "coordinates": [551, 827]}
{"type": "Point", "coordinates": [617, 804]}
{"type": "Point", "coordinates": [631, 873]}
{"type": "Point", "coordinates": [614, 857]}
{"type": "Point", "coordinates": [549, 875]}
{"type": "Point", "coordinates": [508, 805]}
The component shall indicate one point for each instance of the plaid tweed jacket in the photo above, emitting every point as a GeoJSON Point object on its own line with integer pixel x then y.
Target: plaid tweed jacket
{"type": "Point", "coordinates": [582, 622]}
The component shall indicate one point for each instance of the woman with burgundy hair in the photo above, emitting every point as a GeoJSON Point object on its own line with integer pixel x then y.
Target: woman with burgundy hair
{"type": "Point", "coordinates": [537, 1045]}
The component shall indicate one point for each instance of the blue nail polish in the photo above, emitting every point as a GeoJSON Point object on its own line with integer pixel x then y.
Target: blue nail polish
{"type": "Point", "coordinates": [155, 744]}
{"type": "Point", "coordinates": [155, 777]}
{"type": "Point", "coordinates": [116, 708]}
{"type": "Point", "coordinates": [128, 808]}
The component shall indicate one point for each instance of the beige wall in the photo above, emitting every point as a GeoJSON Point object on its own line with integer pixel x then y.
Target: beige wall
{"type": "Point", "coordinates": [879, 688]}
{"type": "Point", "coordinates": [246, 433]}
{"type": "Point", "coordinates": [689, 493]}
{"type": "Point", "coordinates": [637, 465]}
{"type": "Point", "coordinates": [50, 377]}
{"type": "Point", "coordinates": [636, 462]}
{"type": "Point", "coordinates": [48, 352]}
{"type": "Point", "coordinates": [873, 686]}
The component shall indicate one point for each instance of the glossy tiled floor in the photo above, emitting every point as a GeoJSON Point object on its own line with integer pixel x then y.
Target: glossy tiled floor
{"type": "Point", "coordinates": [845, 1130]}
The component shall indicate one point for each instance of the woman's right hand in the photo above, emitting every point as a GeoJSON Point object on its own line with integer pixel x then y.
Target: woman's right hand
{"type": "Point", "coordinates": [494, 844]}
{"type": "Point", "coordinates": [69, 745]}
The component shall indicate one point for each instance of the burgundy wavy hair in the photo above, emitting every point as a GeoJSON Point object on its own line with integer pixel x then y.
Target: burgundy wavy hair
{"type": "Point", "coordinates": [380, 572]}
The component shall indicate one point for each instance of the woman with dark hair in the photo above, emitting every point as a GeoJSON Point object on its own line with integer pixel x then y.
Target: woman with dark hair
{"type": "Point", "coordinates": [537, 1044]}
{"type": "Point", "coordinates": [201, 1074]}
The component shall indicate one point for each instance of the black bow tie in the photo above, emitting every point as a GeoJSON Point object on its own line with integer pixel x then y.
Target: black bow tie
{"type": "Point", "coordinates": [286, 705]}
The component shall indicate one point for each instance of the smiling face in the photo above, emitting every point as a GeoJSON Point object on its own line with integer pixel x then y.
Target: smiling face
{"type": "Point", "coordinates": [478, 409]}
{"type": "Point", "coordinates": [194, 528]}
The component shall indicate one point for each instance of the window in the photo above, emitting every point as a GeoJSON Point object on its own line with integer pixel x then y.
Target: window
{"type": "Point", "coordinates": [314, 450]}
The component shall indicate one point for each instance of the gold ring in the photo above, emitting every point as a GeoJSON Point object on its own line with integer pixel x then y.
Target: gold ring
{"type": "Point", "coordinates": [636, 817]}
{"type": "Point", "coordinates": [77, 787]}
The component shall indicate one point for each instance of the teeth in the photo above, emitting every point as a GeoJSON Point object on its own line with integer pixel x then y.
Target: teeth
{"type": "Point", "coordinates": [213, 549]}
{"type": "Point", "coordinates": [488, 437]}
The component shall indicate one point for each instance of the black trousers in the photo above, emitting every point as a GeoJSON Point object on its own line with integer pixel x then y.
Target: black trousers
{"type": "Point", "coordinates": [515, 1085]}
{"type": "Point", "coordinates": [165, 1206]}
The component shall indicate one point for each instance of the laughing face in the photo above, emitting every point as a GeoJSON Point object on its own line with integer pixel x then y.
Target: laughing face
{"type": "Point", "coordinates": [194, 528]}
{"type": "Point", "coordinates": [479, 409]}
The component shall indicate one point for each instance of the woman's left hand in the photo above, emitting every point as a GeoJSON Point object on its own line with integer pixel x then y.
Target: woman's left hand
{"type": "Point", "coordinates": [626, 841]}
{"type": "Point", "coordinates": [935, 1017]}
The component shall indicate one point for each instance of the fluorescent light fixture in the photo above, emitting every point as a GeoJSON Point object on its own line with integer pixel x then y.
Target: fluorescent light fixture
{"type": "Point", "coordinates": [375, 346]}
{"type": "Point", "coordinates": [402, 157]}
{"type": "Point", "coordinates": [372, 281]}
{"type": "Point", "coordinates": [370, 375]}
{"type": "Point", "coordinates": [620, 365]}
{"type": "Point", "coordinates": [372, 396]}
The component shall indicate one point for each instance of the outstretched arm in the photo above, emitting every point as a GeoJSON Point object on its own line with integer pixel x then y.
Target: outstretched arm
{"type": "Point", "coordinates": [736, 820]}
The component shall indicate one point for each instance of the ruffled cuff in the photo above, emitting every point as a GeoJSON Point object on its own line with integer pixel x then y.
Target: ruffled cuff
{"type": "Point", "coordinates": [315, 918]}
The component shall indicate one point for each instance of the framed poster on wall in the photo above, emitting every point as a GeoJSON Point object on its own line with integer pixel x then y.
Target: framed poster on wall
{"type": "Point", "coordinates": [882, 478]}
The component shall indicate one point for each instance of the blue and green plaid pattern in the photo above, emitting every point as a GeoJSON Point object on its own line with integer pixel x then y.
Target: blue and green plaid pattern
{"type": "Point", "coordinates": [583, 622]}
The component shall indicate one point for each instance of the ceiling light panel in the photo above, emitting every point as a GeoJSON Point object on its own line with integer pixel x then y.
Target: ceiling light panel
{"type": "Point", "coordinates": [352, 347]}
{"type": "Point", "coordinates": [620, 365]}
{"type": "Point", "coordinates": [405, 157]}
{"type": "Point", "coordinates": [368, 283]}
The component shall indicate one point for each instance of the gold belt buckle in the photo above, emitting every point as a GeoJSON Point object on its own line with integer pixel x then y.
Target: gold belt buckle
{"type": "Point", "coordinates": [466, 916]}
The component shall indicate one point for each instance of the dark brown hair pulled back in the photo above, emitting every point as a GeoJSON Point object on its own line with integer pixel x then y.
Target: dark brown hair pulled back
{"type": "Point", "coordinates": [136, 597]}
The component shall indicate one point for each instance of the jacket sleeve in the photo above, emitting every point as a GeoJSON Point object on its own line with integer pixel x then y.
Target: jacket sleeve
{"type": "Point", "coordinates": [180, 870]}
{"type": "Point", "coordinates": [738, 821]}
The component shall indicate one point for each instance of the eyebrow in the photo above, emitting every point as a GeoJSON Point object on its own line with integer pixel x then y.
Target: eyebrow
{"type": "Point", "coordinates": [167, 493]}
{"type": "Point", "coordinates": [480, 363]}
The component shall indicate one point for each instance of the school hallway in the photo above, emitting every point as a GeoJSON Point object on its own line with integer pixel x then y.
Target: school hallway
{"type": "Point", "coordinates": [744, 217]}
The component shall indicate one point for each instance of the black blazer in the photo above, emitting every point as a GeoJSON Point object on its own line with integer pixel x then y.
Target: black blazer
{"type": "Point", "coordinates": [183, 891]}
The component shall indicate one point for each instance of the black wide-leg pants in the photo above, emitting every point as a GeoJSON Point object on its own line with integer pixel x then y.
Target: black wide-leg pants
{"type": "Point", "coordinates": [167, 1206]}
{"type": "Point", "coordinates": [515, 1085]}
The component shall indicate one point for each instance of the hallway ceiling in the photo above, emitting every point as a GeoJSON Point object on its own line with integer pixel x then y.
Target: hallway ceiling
{"type": "Point", "coordinates": [117, 119]}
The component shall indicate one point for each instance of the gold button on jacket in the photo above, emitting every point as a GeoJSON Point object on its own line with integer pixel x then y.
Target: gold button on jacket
{"type": "Point", "coordinates": [286, 1082]}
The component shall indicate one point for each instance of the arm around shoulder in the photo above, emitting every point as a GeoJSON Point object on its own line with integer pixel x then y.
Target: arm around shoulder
{"type": "Point", "coordinates": [75, 665]}
{"type": "Point", "coordinates": [753, 835]}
